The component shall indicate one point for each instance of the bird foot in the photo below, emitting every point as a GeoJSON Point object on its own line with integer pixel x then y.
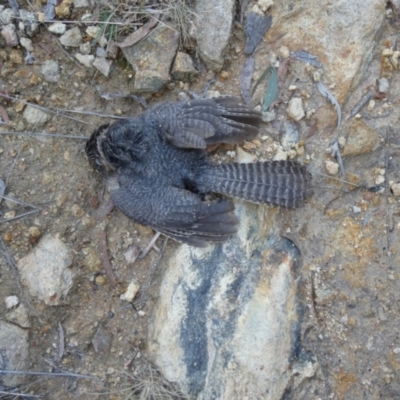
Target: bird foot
{"type": "Point", "coordinates": [151, 245]}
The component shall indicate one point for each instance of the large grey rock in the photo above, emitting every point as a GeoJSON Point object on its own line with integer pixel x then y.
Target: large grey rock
{"type": "Point", "coordinates": [226, 322]}
{"type": "Point", "coordinates": [342, 35]}
{"type": "Point", "coordinates": [13, 352]}
{"type": "Point", "coordinates": [151, 58]}
{"type": "Point", "coordinates": [71, 38]}
{"type": "Point", "coordinates": [35, 116]}
{"type": "Point", "coordinates": [213, 30]}
{"type": "Point", "coordinates": [45, 271]}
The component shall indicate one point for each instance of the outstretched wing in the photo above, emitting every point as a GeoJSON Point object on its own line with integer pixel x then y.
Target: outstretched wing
{"type": "Point", "coordinates": [197, 123]}
{"type": "Point", "coordinates": [176, 213]}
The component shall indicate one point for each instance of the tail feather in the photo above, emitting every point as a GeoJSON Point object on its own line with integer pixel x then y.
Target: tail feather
{"type": "Point", "coordinates": [282, 183]}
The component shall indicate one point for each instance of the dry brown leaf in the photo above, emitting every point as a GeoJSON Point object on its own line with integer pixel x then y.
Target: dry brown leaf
{"type": "Point", "coordinates": [139, 34]}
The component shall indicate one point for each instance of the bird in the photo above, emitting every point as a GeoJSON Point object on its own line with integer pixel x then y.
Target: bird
{"type": "Point", "coordinates": [160, 175]}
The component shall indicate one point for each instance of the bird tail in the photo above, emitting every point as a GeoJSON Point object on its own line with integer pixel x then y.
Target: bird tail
{"type": "Point", "coordinates": [281, 183]}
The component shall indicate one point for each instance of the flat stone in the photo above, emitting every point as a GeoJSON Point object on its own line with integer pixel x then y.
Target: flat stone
{"type": "Point", "coordinates": [362, 139]}
{"type": "Point", "coordinates": [224, 311]}
{"type": "Point", "coordinates": [6, 16]}
{"type": "Point", "coordinates": [71, 38]}
{"type": "Point", "coordinates": [151, 58]}
{"type": "Point", "coordinates": [51, 71]}
{"type": "Point", "coordinates": [10, 35]}
{"type": "Point", "coordinates": [34, 116]}
{"type": "Point", "coordinates": [317, 29]}
{"type": "Point", "coordinates": [85, 59]}
{"type": "Point", "coordinates": [103, 65]}
{"type": "Point", "coordinates": [58, 28]}
{"type": "Point", "coordinates": [213, 30]}
{"type": "Point", "coordinates": [295, 109]}
{"type": "Point", "coordinates": [19, 316]}
{"type": "Point", "coordinates": [27, 43]}
{"type": "Point", "coordinates": [45, 271]}
{"type": "Point", "coordinates": [183, 68]}
{"type": "Point", "coordinates": [13, 352]}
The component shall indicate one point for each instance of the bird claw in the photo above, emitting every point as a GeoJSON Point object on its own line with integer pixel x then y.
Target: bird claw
{"type": "Point", "coordinates": [143, 253]}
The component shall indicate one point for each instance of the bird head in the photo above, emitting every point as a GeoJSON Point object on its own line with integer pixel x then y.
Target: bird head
{"type": "Point", "coordinates": [117, 145]}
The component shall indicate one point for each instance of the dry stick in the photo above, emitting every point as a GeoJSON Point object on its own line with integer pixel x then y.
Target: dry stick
{"type": "Point", "coordinates": [35, 396]}
{"type": "Point", "coordinates": [45, 109]}
{"type": "Point", "coordinates": [20, 216]}
{"type": "Point", "coordinates": [105, 261]}
{"type": "Point", "coordinates": [139, 304]}
{"type": "Point", "coordinates": [388, 229]}
{"type": "Point", "coordinates": [61, 340]}
{"type": "Point", "coordinates": [49, 374]}
{"type": "Point", "coordinates": [60, 136]}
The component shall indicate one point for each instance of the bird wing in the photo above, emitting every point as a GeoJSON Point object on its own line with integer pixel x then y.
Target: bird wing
{"type": "Point", "coordinates": [176, 213]}
{"type": "Point", "coordinates": [198, 123]}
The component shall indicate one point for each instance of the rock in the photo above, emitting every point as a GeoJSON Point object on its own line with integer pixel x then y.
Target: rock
{"type": "Point", "coordinates": [51, 71]}
{"type": "Point", "coordinates": [396, 189]}
{"type": "Point", "coordinates": [58, 28]}
{"type": "Point", "coordinates": [11, 301]}
{"type": "Point", "coordinates": [101, 52]}
{"type": "Point", "coordinates": [131, 254]}
{"type": "Point", "coordinates": [280, 155]}
{"type": "Point", "coordinates": [85, 59]}
{"type": "Point", "coordinates": [19, 316]}
{"type": "Point", "coordinates": [45, 271]}
{"type": "Point", "coordinates": [102, 340]}
{"type": "Point", "coordinates": [16, 56]}
{"type": "Point", "coordinates": [28, 22]}
{"type": "Point", "coordinates": [103, 65]}
{"type": "Point", "coordinates": [27, 43]}
{"type": "Point", "coordinates": [131, 291]}
{"type": "Point", "coordinates": [383, 85]}
{"type": "Point", "coordinates": [93, 31]}
{"type": "Point", "coordinates": [332, 168]}
{"type": "Point", "coordinates": [6, 16]}
{"type": "Point", "coordinates": [71, 38]}
{"type": "Point", "coordinates": [10, 35]}
{"type": "Point", "coordinates": [364, 23]}
{"type": "Point", "coordinates": [34, 116]}
{"type": "Point", "coordinates": [13, 352]}
{"type": "Point", "coordinates": [265, 4]}
{"type": "Point", "coordinates": [85, 48]}
{"type": "Point", "coordinates": [81, 3]}
{"type": "Point", "coordinates": [362, 139]}
{"type": "Point", "coordinates": [151, 58]}
{"type": "Point", "coordinates": [290, 135]}
{"type": "Point", "coordinates": [295, 109]}
{"type": "Point", "coordinates": [183, 68]}
{"type": "Point", "coordinates": [213, 328]}
{"type": "Point", "coordinates": [64, 9]}
{"type": "Point", "coordinates": [244, 157]}
{"type": "Point", "coordinates": [213, 30]}
{"type": "Point", "coordinates": [268, 116]}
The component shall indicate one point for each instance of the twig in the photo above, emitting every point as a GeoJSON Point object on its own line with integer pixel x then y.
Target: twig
{"type": "Point", "coordinates": [20, 216]}
{"type": "Point", "coordinates": [364, 100]}
{"type": "Point", "coordinates": [139, 304]}
{"type": "Point", "coordinates": [45, 109]}
{"type": "Point", "coordinates": [144, 252]}
{"type": "Point", "coordinates": [61, 340]}
{"type": "Point", "coordinates": [60, 136]}
{"type": "Point", "coordinates": [24, 395]}
{"type": "Point", "coordinates": [49, 374]}
{"type": "Point", "coordinates": [105, 261]}
{"type": "Point", "coordinates": [334, 149]}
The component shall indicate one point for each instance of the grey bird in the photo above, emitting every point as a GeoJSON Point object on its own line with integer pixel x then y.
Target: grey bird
{"type": "Point", "coordinates": [159, 173]}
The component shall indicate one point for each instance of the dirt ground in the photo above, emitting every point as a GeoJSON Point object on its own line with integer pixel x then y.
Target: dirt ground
{"type": "Point", "coordinates": [351, 309]}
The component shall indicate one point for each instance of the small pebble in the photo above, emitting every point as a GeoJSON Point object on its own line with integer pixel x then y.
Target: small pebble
{"type": "Point", "coordinates": [295, 109]}
{"type": "Point", "coordinates": [100, 280]}
{"type": "Point", "coordinates": [141, 313]}
{"type": "Point", "coordinates": [131, 291]}
{"type": "Point", "coordinates": [58, 28]}
{"type": "Point", "coordinates": [396, 189]}
{"type": "Point", "coordinates": [331, 167]}
{"type": "Point", "coordinates": [11, 301]}
{"type": "Point", "coordinates": [383, 85]}
{"type": "Point", "coordinates": [379, 180]}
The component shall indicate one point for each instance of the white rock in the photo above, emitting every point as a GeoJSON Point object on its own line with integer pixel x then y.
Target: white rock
{"type": "Point", "coordinates": [379, 180]}
{"type": "Point", "coordinates": [93, 31]}
{"type": "Point", "coordinates": [265, 4]}
{"type": "Point", "coordinates": [295, 109]}
{"type": "Point", "coordinates": [85, 48]}
{"type": "Point", "coordinates": [51, 71]}
{"type": "Point", "coordinates": [35, 116]}
{"type": "Point", "coordinates": [27, 43]}
{"type": "Point", "coordinates": [6, 16]}
{"type": "Point", "coordinates": [45, 271]}
{"type": "Point", "coordinates": [58, 28]}
{"type": "Point", "coordinates": [244, 157]}
{"type": "Point", "coordinates": [11, 301]}
{"type": "Point", "coordinates": [85, 59]}
{"type": "Point", "coordinates": [71, 38]}
{"type": "Point", "coordinates": [396, 189]}
{"type": "Point", "coordinates": [103, 65]}
{"type": "Point", "coordinates": [332, 168]}
{"type": "Point", "coordinates": [383, 85]}
{"type": "Point", "coordinates": [281, 155]}
{"type": "Point", "coordinates": [131, 291]}
{"type": "Point", "coordinates": [284, 52]}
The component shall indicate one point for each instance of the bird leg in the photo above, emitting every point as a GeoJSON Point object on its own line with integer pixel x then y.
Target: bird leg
{"type": "Point", "coordinates": [152, 244]}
